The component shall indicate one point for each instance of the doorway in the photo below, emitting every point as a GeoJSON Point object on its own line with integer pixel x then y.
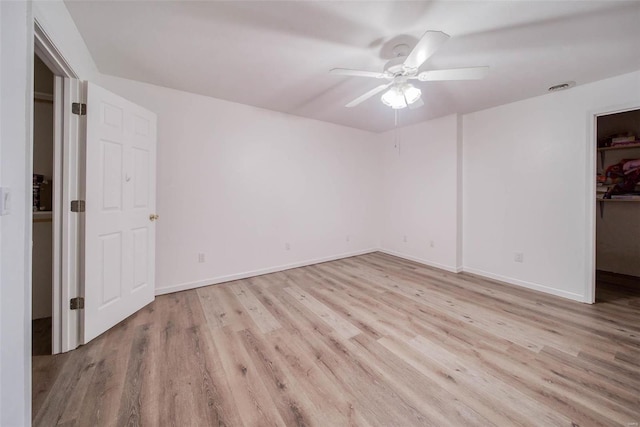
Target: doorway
{"type": "Point", "coordinates": [617, 242]}
{"type": "Point", "coordinates": [42, 247]}
{"type": "Point", "coordinates": [56, 154]}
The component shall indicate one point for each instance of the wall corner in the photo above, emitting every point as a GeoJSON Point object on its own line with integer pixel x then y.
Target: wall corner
{"type": "Point", "coordinates": [459, 189]}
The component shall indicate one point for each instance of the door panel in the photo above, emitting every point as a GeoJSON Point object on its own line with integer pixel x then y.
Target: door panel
{"type": "Point", "coordinates": [111, 176]}
{"type": "Point", "coordinates": [111, 260]}
{"type": "Point", "coordinates": [140, 258]}
{"type": "Point", "coordinates": [141, 178]}
{"type": "Point", "coordinates": [120, 197]}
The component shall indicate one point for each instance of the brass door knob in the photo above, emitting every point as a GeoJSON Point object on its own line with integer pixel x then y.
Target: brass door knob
{"type": "Point", "coordinates": [153, 217]}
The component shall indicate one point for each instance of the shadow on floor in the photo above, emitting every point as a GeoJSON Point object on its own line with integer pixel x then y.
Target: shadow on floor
{"type": "Point", "coordinates": [614, 287]}
{"type": "Point", "coordinates": [41, 337]}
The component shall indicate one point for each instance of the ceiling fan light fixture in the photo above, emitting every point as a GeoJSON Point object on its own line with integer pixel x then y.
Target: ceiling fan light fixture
{"type": "Point", "coordinates": [401, 96]}
{"type": "Point", "coordinates": [394, 98]}
{"type": "Point", "coordinates": [411, 93]}
{"type": "Point", "coordinates": [406, 66]}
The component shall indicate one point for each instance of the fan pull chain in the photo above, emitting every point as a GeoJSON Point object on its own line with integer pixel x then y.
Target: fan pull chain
{"type": "Point", "coordinates": [396, 132]}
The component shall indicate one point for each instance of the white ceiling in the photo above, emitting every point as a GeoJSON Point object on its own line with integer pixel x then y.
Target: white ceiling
{"type": "Point", "coordinates": [277, 55]}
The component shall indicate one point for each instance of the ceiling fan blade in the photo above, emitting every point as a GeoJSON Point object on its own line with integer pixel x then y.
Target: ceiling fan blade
{"type": "Point", "coordinates": [357, 73]}
{"type": "Point", "coordinates": [416, 104]}
{"type": "Point", "coordinates": [471, 73]}
{"type": "Point", "coordinates": [368, 95]}
{"type": "Point", "coordinates": [427, 46]}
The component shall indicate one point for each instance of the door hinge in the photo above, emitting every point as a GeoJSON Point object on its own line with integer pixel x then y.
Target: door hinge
{"type": "Point", "coordinates": [76, 303]}
{"type": "Point", "coordinates": [77, 206]}
{"type": "Point", "coordinates": [79, 109]}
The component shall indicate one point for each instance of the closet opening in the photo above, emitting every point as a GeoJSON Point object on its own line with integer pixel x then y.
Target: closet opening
{"type": "Point", "coordinates": [56, 151]}
{"type": "Point", "coordinates": [618, 205]}
{"type": "Point", "coordinates": [42, 221]}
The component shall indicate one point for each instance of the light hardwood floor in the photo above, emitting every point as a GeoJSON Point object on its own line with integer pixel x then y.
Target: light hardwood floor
{"type": "Point", "coordinates": [372, 340]}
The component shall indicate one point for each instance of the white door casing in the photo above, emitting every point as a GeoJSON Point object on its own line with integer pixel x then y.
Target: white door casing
{"type": "Point", "coordinates": [119, 243]}
{"type": "Point", "coordinates": [66, 182]}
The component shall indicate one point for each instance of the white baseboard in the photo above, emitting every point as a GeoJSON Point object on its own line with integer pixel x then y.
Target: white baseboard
{"type": "Point", "coordinates": [528, 285]}
{"type": "Point", "coordinates": [422, 261]}
{"type": "Point", "coordinates": [247, 274]}
{"type": "Point", "coordinates": [505, 279]}
{"type": "Point", "coordinates": [238, 276]}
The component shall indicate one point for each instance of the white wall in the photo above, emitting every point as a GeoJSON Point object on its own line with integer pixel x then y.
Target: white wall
{"type": "Point", "coordinates": [419, 193]}
{"type": "Point", "coordinates": [526, 176]}
{"type": "Point", "coordinates": [1, 263]}
{"type": "Point", "coordinates": [15, 169]}
{"type": "Point", "coordinates": [238, 183]}
{"type": "Point", "coordinates": [54, 18]}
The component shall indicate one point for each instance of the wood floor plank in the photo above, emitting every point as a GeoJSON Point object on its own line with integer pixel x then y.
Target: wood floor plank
{"type": "Point", "coordinates": [341, 407]}
{"type": "Point", "coordinates": [254, 402]}
{"type": "Point", "coordinates": [193, 392]}
{"type": "Point", "coordinates": [381, 404]}
{"type": "Point", "coordinates": [260, 315]}
{"type": "Point", "coordinates": [46, 370]}
{"type": "Point", "coordinates": [487, 318]}
{"type": "Point", "coordinates": [106, 394]}
{"type": "Point", "coordinates": [222, 308]}
{"type": "Point", "coordinates": [340, 325]}
{"type": "Point", "coordinates": [130, 401]}
{"type": "Point", "coordinates": [363, 318]}
{"type": "Point", "coordinates": [517, 369]}
{"type": "Point", "coordinates": [289, 397]}
{"type": "Point", "coordinates": [485, 404]}
{"type": "Point", "coordinates": [372, 340]}
{"type": "Point", "coordinates": [216, 311]}
{"type": "Point", "coordinates": [480, 382]}
{"type": "Point", "coordinates": [374, 400]}
{"type": "Point", "coordinates": [440, 406]}
{"type": "Point", "coordinates": [76, 393]}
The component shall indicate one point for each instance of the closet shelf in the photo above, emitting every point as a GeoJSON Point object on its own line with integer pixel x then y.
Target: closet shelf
{"type": "Point", "coordinates": [601, 203]}
{"type": "Point", "coordinates": [620, 147]}
{"type": "Point", "coordinates": [602, 151]}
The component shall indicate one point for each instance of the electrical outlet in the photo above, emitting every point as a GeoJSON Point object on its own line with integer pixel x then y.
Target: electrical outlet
{"type": "Point", "coordinates": [287, 246]}
{"type": "Point", "coordinates": [200, 257]}
{"type": "Point", "coordinates": [432, 244]}
{"type": "Point", "coordinates": [518, 257]}
{"type": "Point", "coordinates": [404, 238]}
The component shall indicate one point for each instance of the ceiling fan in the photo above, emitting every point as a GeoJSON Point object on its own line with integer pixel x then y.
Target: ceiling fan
{"type": "Point", "coordinates": [404, 67]}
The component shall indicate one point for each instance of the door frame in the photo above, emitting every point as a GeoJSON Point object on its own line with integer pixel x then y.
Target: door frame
{"type": "Point", "coordinates": [590, 209]}
{"type": "Point", "coordinates": [66, 187]}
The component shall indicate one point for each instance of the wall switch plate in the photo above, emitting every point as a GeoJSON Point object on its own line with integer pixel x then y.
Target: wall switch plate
{"type": "Point", "coordinates": [348, 238]}
{"type": "Point", "coordinates": [201, 257]}
{"type": "Point", "coordinates": [404, 238]}
{"type": "Point", "coordinates": [5, 201]}
{"type": "Point", "coordinates": [518, 257]}
{"type": "Point", "coordinates": [287, 246]}
{"type": "Point", "coordinates": [432, 244]}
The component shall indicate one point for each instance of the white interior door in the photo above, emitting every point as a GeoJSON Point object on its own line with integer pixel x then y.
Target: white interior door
{"type": "Point", "coordinates": [119, 244]}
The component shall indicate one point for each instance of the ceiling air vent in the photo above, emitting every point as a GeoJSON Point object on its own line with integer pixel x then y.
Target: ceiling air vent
{"type": "Point", "coordinates": [562, 86]}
